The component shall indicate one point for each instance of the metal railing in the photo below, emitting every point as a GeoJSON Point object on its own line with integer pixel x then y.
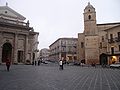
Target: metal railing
{"type": "Point", "coordinates": [113, 40]}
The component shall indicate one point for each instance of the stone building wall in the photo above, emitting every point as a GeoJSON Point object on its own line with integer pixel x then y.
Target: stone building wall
{"type": "Point", "coordinates": [97, 41]}
{"type": "Point", "coordinates": [14, 35]}
{"type": "Point", "coordinates": [81, 47]}
{"type": "Point", "coordinates": [64, 48]}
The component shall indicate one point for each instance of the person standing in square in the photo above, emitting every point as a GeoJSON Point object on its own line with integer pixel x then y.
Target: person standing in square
{"type": "Point", "coordinates": [8, 64]}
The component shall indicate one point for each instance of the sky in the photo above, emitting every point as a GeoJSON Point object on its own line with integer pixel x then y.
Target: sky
{"type": "Point", "coordinates": [55, 19]}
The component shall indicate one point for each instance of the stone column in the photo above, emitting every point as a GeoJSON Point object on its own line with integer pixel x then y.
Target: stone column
{"type": "Point", "coordinates": [0, 53]}
{"type": "Point", "coordinates": [26, 48]}
{"type": "Point", "coordinates": [1, 39]}
{"type": "Point", "coordinates": [15, 49]}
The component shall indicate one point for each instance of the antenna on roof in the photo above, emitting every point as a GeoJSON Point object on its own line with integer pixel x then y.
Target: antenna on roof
{"type": "Point", "coordinates": [6, 4]}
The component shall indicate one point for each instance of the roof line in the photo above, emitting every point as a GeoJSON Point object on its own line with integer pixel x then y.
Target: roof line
{"type": "Point", "coordinates": [6, 7]}
{"type": "Point", "coordinates": [108, 23]}
{"type": "Point", "coordinates": [111, 28]}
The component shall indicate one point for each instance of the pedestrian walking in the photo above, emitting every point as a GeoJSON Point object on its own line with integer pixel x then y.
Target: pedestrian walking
{"type": "Point", "coordinates": [32, 62]}
{"type": "Point", "coordinates": [35, 62]}
{"type": "Point", "coordinates": [61, 64]}
{"type": "Point", "coordinates": [93, 64]}
{"type": "Point", "coordinates": [39, 62]}
{"type": "Point", "coordinates": [8, 64]}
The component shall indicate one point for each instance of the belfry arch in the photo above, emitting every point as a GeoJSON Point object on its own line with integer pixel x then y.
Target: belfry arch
{"type": "Point", "coordinates": [6, 52]}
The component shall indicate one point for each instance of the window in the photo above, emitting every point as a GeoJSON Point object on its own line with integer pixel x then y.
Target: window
{"type": "Point", "coordinates": [119, 36]}
{"type": "Point", "coordinates": [111, 36]}
{"type": "Point", "coordinates": [5, 11]}
{"type": "Point", "coordinates": [102, 38]}
{"type": "Point", "coordinates": [63, 49]}
{"type": "Point", "coordinates": [89, 17]}
{"type": "Point", "coordinates": [112, 50]}
{"type": "Point", "coordinates": [119, 47]}
{"type": "Point", "coordinates": [106, 36]}
{"type": "Point", "coordinates": [82, 44]}
{"type": "Point", "coordinates": [100, 45]}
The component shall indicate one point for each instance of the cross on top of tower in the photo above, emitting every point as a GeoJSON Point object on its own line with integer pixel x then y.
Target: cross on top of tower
{"type": "Point", "coordinates": [6, 4]}
{"type": "Point", "coordinates": [89, 6]}
{"type": "Point", "coordinates": [88, 3]}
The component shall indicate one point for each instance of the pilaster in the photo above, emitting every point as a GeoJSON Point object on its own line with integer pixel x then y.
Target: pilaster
{"type": "Point", "coordinates": [26, 48]}
{"type": "Point", "coordinates": [15, 49]}
{"type": "Point", "coordinates": [1, 39]}
{"type": "Point", "coordinates": [0, 54]}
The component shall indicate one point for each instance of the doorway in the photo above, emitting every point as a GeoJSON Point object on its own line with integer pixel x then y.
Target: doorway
{"type": "Point", "coordinates": [103, 59]}
{"type": "Point", "coordinates": [6, 52]}
{"type": "Point", "coordinates": [20, 57]}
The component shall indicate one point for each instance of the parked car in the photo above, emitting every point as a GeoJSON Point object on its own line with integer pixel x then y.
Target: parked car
{"type": "Point", "coordinates": [44, 62]}
{"type": "Point", "coordinates": [116, 65]}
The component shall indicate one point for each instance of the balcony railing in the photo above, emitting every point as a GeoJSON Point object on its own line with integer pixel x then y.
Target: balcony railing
{"type": "Point", "coordinates": [113, 40]}
{"type": "Point", "coordinates": [117, 39]}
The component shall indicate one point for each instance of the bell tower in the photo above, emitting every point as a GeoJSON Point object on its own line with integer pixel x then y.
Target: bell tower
{"type": "Point", "coordinates": [91, 35]}
{"type": "Point", "coordinates": [90, 20]}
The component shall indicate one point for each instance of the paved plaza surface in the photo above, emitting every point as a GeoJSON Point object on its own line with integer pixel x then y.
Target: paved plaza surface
{"type": "Point", "coordinates": [49, 77]}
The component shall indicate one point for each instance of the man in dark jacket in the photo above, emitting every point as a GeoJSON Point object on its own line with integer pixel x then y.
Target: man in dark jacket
{"type": "Point", "coordinates": [8, 64]}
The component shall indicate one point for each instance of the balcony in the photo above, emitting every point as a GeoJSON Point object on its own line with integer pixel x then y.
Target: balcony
{"type": "Point", "coordinates": [117, 39]}
{"type": "Point", "coordinates": [115, 53]}
{"type": "Point", "coordinates": [111, 40]}
{"type": "Point", "coordinates": [114, 40]}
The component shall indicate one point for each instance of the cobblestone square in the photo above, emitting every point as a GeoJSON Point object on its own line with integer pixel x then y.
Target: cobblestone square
{"type": "Point", "coordinates": [49, 77]}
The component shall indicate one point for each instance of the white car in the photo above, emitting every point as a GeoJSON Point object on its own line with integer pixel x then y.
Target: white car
{"type": "Point", "coordinates": [116, 65]}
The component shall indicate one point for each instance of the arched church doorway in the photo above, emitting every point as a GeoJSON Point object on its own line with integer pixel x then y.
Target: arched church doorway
{"type": "Point", "coordinates": [6, 52]}
{"type": "Point", "coordinates": [103, 59]}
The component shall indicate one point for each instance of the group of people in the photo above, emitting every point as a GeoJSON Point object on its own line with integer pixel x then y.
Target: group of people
{"type": "Point", "coordinates": [8, 63]}
{"type": "Point", "coordinates": [36, 62]}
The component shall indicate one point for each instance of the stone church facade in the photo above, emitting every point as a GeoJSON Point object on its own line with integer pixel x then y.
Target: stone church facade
{"type": "Point", "coordinates": [99, 43]}
{"type": "Point", "coordinates": [18, 41]}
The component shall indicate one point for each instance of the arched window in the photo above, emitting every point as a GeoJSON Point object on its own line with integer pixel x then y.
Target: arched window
{"type": "Point", "coordinates": [89, 17]}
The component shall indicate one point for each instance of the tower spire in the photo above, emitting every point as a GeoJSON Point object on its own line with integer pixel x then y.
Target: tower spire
{"type": "Point", "coordinates": [88, 3]}
{"type": "Point", "coordinates": [6, 4]}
